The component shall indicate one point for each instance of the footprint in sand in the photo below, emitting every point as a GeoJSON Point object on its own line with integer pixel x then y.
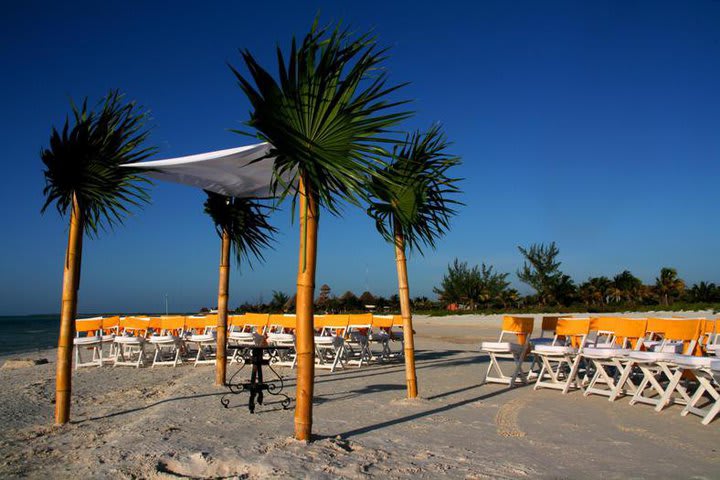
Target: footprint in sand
{"type": "Point", "coordinates": [506, 420]}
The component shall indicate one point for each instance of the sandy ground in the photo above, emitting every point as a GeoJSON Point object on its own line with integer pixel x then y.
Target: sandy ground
{"type": "Point", "coordinates": [169, 423]}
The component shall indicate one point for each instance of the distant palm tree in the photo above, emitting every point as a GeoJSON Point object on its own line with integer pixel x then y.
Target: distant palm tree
{"type": "Point", "coordinates": [325, 116]}
{"type": "Point", "coordinates": [629, 285]}
{"type": "Point", "coordinates": [411, 208]}
{"type": "Point", "coordinates": [668, 285]}
{"type": "Point", "coordinates": [83, 177]}
{"type": "Point", "coordinates": [704, 292]}
{"type": "Point", "coordinates": [243, 227]}
{"type": "Point", "coordinates": [279, 299]}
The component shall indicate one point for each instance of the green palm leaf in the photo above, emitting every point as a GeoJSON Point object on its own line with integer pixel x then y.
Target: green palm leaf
{"type": "Point", "coordinates": [245, 220]}
{"type": "Point", "coordinates": [326, 114]}
{"type": "Point", "coordinates": [84, 160]}
{"type": "Point", "coordinates": [413, 192]}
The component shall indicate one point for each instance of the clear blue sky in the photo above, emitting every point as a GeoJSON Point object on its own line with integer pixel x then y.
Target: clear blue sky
{"type": "Point", "coordinates": [593, 124]}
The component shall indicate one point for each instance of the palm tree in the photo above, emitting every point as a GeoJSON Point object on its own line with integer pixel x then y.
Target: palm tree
{"type": "Point", "coordinates": [279, 299]}
{"type": "Point", "coordinates": [325, 116]}
{"type": "Point", "coordinates": [410, 206]}
{"type": "Point", "coordinates": [243, 226]}
{"type": "Point", "coordinates": [668, 285]}
{"type": "Point", "coordinates": [83, 178]}
{"type": "Point", "coordinates": [704, 292]}
{"type": "Point", "coordinates": [629, 285]}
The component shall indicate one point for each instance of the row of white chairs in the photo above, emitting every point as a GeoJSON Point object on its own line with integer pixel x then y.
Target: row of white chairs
{"type": "Point", "coordinates": [340, 340]}
{"type": "Point", "coordinates": [655, 361]}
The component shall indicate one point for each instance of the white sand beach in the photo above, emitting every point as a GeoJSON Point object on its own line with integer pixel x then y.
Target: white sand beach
{"type": "Point", "coordinates": [169, 423]}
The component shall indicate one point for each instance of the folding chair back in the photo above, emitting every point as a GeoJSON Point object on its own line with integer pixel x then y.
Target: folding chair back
{"type": "Point", "coordinates": [629, 332]}
{"type": "Point", "coordinates": [333, 324]}
{"type": "Point", "coordinates": [211, 322]}
{"type": "Point", "coordinates": [258, 321]}
{"type": "Point", "coordinates": [138, 326]}
{"type": "Point", "coordinates": [322, 321]}
{"type": "Point", "coordinates": [318, 322]}
{"type": "Point", "coordinates": [573, 329]}
{"type": "Point", "coordinates": [549, 325]}
{"type": "Point", "coordinates": [236, 321]}
{"type": "Point", "coordinates": [708, 332]}
{"type": "Point", "coordinates": [172, 325]}
{"type": "Point", "coordinates": [604, 328]}
{"type": "Point", "coordinates": [360, 320]}
{"type": "Point", "coordinates": [686, 331]}
{"type": "Point", "coordinates": [110, 324]}
{"type": "Point", "coordinates": [154, 324]}
{"type": "Point", "coordinates": [282, 323]}
{"type": "Point", "coordinates": [383, 322]}
{"type": "Point", "coordinates": [195, 324]}
{"type": "Point", "coordinates": [708, 328]}
{"type": "Point", "coordinates": [522, 327]}
{"type": "Point", "coordinates": [656, 327]}
{"type": "Point", "coordinates": [89, 326]}
{"type": "Point", "coordinates": [603, 324]}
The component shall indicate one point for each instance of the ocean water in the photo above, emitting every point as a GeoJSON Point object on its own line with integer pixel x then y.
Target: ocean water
{"type": "Point", "coordinates": [28, 333]}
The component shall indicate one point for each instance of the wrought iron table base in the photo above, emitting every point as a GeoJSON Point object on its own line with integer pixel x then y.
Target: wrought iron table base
{"type": "Point", "coordinates": [257, 386]}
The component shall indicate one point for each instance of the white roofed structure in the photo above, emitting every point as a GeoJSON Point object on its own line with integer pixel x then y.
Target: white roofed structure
{"type": "Point", "coordinates": [237, 172]}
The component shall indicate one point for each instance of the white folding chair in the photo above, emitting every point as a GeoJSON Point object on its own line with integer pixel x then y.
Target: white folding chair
{"type": "Point", "coordinates": [379, 335]}
{"type": "Point", "coordinates": [706, 370]}
{"type": "Point", "coordinates": [168, 342]}
{"type": "Point", "coordinates": [245, 331]}
{"type": "Point", "coordinates": [280, 334]}
{"type": "Point", "coordinates": [330, 344]}
{"type": "Point", "coordinates": [357, 343]}
{"type": "Point", "coordinates": [561, 359]}
{"type": "Point", "coordinates": [89, 337]}
{"type": "Point", "coordinates": [658, 367]}
{"type": "Point", "coordinates": [205, 342]}
{"type": "Point", "coordinates": [608, 359]}
{"type": "Point", "coordinates": [521, 328]}
{"type": "Point", "coordinates": [130, 342]}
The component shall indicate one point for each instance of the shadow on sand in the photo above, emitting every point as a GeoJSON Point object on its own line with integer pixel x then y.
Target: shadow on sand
{"type": "Point", "coordinates": [427, 413]}
{"type": "Point", "coordinates": [424, 359]}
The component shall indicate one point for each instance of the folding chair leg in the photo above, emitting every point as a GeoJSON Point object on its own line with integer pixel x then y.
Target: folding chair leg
{"type": "Point", "coordinates": [620, 384]}
{"type": "Point", "coordinates": [666, 397]}
{"type": "Point", "coordinates": [707, 414]}
{"type": "Point", "coordinates": [572, 376]}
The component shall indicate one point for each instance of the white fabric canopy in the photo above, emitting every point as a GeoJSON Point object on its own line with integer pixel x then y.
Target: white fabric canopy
{"type": "Point", "coordinates": [228, 172]}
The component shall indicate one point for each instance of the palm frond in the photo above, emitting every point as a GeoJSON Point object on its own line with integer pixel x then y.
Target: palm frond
{"type": "Point", "coordinates": [326, 114]}
{"type": "Point", "coordinates": [84, 160]}
{"type": "Point", "coordinates": [415, 190]}
{"type": "Point", "coordinates": [245, 220]}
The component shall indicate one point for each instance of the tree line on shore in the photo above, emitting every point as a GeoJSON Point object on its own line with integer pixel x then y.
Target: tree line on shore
{"type": "Point", "coordinates": [327, 302]}
{"type": "Point", "coordinates": [481, 287]}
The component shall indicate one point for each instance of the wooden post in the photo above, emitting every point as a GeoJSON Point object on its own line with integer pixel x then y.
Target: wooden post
{"type": "Point", "coordinates": [305, 333]}
{"type": "Point", "coordinates": [68, 312]}
{"type": "Point", "coordinates": [404, 292]}
{"type": "Point", "coordinates": [220, 355]}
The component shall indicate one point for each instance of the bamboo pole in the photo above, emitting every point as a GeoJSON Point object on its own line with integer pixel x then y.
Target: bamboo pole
{"type": "Point", "coordinates": [304, 333]}
{"type": "Point", "coordinates": [224, 281]}
{"type": "Point", "coordinates": [404, 293]}
{"type": "Point", "coordinates": [71, 281]}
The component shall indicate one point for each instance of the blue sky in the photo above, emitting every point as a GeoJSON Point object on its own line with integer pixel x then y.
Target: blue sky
{"type": "Point", "coordinates": [594, 125]}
